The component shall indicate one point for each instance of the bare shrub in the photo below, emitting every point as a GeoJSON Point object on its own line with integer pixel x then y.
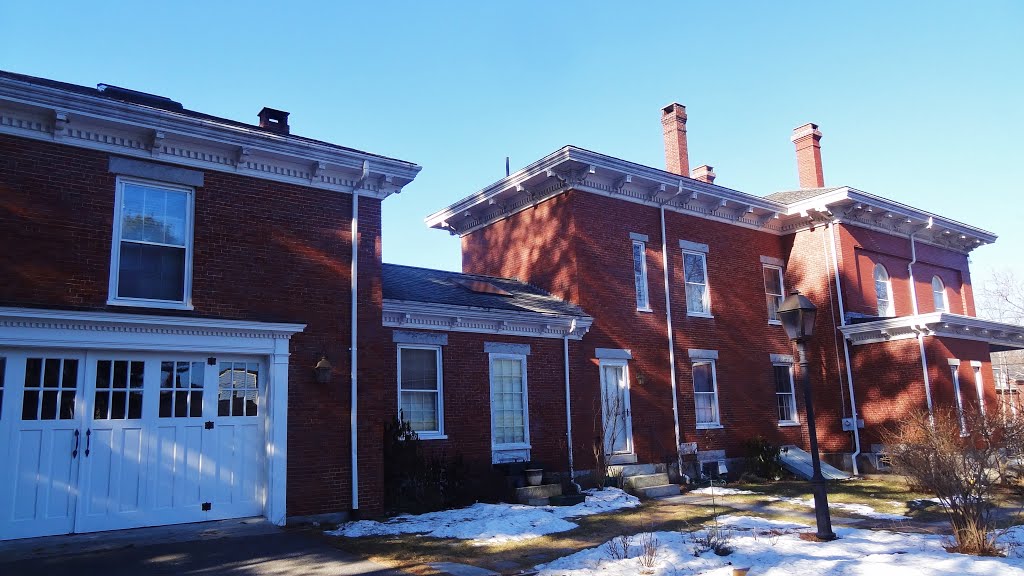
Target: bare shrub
{"type": "Point", "coordinates": [714, 538]}
{"type": "Point", "coordinates": [618, 547]}
{"type": "Point", "coordinates": [648, 550]}
{"type": "Point", "coordinates": [956, 456]}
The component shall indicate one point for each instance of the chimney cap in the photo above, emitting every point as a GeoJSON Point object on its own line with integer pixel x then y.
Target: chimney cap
{"type": "Point", "coordinates": [274, 120]}
{"type": "Point", "coordinates": [674, 107]}
{"type": "Point", "coordinates": [809, 129]}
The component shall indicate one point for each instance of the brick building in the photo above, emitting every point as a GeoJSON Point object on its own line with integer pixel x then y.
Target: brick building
{"type": "Point", "coordinates": [643, 249]}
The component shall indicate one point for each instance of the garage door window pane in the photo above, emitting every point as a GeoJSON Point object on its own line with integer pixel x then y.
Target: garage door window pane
{"type": "Point", "coordinates": [118, 390]}
{"type": "Point", "coordinates": [50, 388]}
{"type": "Point", "coordinates": [238, 389]}
{"type": "Point", "coordinates": [181, 389]}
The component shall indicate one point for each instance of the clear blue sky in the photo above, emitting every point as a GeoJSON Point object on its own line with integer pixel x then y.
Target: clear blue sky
{"type": "Point", "coordinates": [920, 102]}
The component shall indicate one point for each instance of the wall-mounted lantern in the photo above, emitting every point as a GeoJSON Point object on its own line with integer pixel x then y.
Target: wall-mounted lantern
{"type": "Point", "coordinates": [322, 370]}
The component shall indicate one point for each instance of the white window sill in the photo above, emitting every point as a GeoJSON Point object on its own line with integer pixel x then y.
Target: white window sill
{"type": "Point", "coordinates": [709, 426]}
{"type": "Point", "coordinates": [431, 436]}
{"type": "Point", "coordinates": [504, 447]}
{"type": "Point", "coordinates": [699, 315]}
{"type": "Point", "coordinates": [150, 304]}
{"type": "Point", "coordinates": [775, 323]}
{"type": "Point", "coordinates": [788, 424]}
{"type": "Point", "coordinates": [644, 310]}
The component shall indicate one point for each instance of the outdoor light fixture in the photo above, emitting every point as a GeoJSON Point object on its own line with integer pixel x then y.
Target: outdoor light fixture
{"type": "Point", "coordinates": [797, 315]}
{"type": "Point", "coordinates": [323, 370]}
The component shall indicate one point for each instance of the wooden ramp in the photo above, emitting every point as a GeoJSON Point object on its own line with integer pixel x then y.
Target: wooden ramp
{"type": "Point", "coordinates": [798, 462]}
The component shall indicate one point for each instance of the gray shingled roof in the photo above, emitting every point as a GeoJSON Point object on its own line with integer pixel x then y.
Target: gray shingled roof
{"type": "Point", "coordinates": [411, 284]}
{"type": "Point", "coordinates": [794, 196]}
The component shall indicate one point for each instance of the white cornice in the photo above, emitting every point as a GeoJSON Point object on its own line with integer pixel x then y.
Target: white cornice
{"type": "Point", "coordinates": [449, 318]}
{"type": "Point", "coordinates": [1000, 335]}
{"type": "Point", "coordinates": [578, 169]}
{"type": "Point", "coordinates": [51, 114]}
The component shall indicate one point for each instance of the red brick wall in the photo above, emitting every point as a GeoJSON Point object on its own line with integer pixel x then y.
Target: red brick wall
{"type": "Point", "coordinates": [862, 248]}
{"type": "Point", "coordinates": [261, 253]}
{"type": "Point", "coordinates": [467, 397]}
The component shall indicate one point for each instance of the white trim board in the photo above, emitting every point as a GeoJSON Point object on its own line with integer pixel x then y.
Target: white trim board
{"type": "Point", "coordinates": [1000, 335]}
{"type": "Point", "coordinates": [449, 318]}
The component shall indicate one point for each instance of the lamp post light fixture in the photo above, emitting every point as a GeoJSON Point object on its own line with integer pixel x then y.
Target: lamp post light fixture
{"type": "Point", "coordinates": [797, 314]}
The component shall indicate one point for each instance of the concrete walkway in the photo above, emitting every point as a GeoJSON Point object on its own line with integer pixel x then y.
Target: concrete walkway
{"type": "Point", "coordinates": [231, 547]}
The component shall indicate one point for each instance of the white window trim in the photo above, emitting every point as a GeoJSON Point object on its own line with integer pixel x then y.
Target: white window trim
{"type": "Point", "coordinates": [115, 248]}
{"type": "Point", "coordinates": [430, 434]}
{"type": "Point", "coordinates": [979, 383]}
{"type": "Point", "coordinates": [510, 446]}
{"type": "Point", "coordinates": [890, 310]}
{"type": "Point", "coordinates": [706, 313]}
{"type": "Point", "coordinates": [714, 385]}
{"type": "Point", "coordinates": [795, 421]}
{"type": "Point", "coordinates": [782, 287]}
{"type": "Point", "coordinates": [643, 275]}
{"type": "Point", "coordinates": [942, 292]}
{"type": "Point", "coordinates": [955, 369]}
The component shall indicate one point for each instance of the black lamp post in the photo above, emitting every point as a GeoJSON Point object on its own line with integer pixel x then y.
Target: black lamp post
{"type": "Point", "coordinates": [797, 316]}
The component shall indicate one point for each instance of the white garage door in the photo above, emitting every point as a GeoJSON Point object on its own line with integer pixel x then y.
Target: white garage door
{"type": "Point", "coordinates": [100, 440]}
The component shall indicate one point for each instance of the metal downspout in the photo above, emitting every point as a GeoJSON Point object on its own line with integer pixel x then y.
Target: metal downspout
{"type": "Point", "coordinates": [920, 334]}
{"type": "Point", "coordinates": [671, 340]}
{"type": "Point", "coordinates": [846, 353]}
{"type": "Point", "coordinates": [568, 404]}
{"type": "Point", "coordinates": [353, 412]}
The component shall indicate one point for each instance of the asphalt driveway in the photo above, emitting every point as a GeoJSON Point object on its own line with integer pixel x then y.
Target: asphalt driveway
{"type": "Point", "coordinates": [230, 549]}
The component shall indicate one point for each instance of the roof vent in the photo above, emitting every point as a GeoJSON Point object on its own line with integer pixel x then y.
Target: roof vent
{"type": "Point", "coordinates": [274, 120]}
{"type": "Point", "coordinates": [480, 287]}
{"type": "Point", "coordinates": [136, 97]}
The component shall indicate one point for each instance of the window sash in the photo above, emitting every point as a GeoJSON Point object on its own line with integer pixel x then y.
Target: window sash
{"type": "Point", "coordinates": [152, 244]}
{"type": "Point", "coordinates": [510, 422]}
{"type": "Point", "coordinates": [420, 403]}
{"type": "Point", "coordinates": [785, 392]}
{"type": "Point", "coordinates": [883, 291]}
{"type": "Point", "coordinates": [979, 383]}
{"type": "Point", "coordinates": [640, 275]}
{"type": "Point", "coordinates": [695, 276]}
{"type": "Point", "coordinates": [939, 295]}
{"type": "Point", "coordinates": [773, 294]}
{"type": "Point", "coordinates": [959, 399]}
{"type": "Point", "coordinates": [705, 401]}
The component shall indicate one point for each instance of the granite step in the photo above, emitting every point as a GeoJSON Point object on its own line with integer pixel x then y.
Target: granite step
{"type": "Point", "coordinates": [633, 484]}
{"type": "Point", "coordinates": [537, 495]}
{"type": "Point", "coordinates": [662, 491]}
{"type": "Point", "coordinates": [627, 470]}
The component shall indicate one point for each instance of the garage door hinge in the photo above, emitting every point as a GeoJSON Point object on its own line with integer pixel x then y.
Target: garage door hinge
{"type": "Point", "coordinates": [209, 425]}
{"type": "Point", "coordinates": [207, 506]}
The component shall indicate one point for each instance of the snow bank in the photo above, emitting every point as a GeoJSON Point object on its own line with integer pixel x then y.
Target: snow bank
{"type": "Point", "coordinates": [492, 523]}
{"type": "Point", "coordinates": [773, 548]}
{"type": "Point", "coordinates": [720, 491]}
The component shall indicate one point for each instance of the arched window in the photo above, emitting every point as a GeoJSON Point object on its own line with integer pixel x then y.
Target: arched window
{"type": "Point", "coordinates": [939, 294]}
{"type": "Point", "coordinates": [883, 291]}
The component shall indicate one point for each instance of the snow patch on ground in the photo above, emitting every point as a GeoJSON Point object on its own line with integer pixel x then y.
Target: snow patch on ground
{"type": "Point", "coordinates": [859, 509]}
{"type": "Point", "coordinates": [484, 524]}
{"type": "Point", "coordinates": [720, 491]}
{"type": "Point", "coordinates": [773, 548]}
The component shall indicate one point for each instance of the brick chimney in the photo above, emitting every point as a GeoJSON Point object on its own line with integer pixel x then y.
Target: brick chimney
{"type": "Point", "coordinates": [274, 120]}
{"type": "Point", "coordinates": [808, 155]}
{"type": "Point", "coordinates": [673, 126]}
{"type": "Point", "coordinates": [704, 173]}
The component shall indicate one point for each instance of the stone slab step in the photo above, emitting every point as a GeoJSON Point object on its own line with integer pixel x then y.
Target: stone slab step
{"type": "Point", "coordinates": [525, 494]}
{"type": "Point", "coordinates": [627, 470]}
{"type": "Point", "coordinates": [634, 484]}
{"type": "Point", "coordinates": [660, 491]}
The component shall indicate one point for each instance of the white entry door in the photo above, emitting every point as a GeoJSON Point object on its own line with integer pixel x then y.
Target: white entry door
{"type": "Point", "coordinates": [112, 440]}
{"type": "Point", "coordinates": [618, 423]}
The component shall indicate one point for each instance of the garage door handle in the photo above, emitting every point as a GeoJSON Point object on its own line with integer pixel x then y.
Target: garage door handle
{"type": "Point", "coordinates": [78, 439]}
{"type": "Point", "coordinates": [88, 441]}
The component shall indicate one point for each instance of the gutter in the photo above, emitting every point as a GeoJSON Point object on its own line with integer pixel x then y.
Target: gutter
{"type": "Point", "coordinates": [846, 354]}
{"type": "Point", "coordinates": [920, 334]}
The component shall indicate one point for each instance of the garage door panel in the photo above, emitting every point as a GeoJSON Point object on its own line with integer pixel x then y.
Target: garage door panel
{"type": "Point", "coordinates": [177, 465]}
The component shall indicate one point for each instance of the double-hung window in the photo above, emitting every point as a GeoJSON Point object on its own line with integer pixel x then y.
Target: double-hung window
{"type": "Point", "coordinates": [705, 392]}
{"type": "Point", "coordinates": [773, 292]}
{"type": "Point", "coordinates": [640, 275]}
{"type": "Point", "coordinates": [785, 395]}
{"type": "Point", "coordinates": [420, 401]}
{"type": "Point", "coordinates": [939, 295]}
{"type": "Point", "coordinates": [695, 274]}
{"type": "Point", "coordinates": [979, 383]}
{"type": "Point", "coordinates": [151, 256]}
{"type": "Point", "coordinates": [954, 366]}
{"type": "Point", "coordinates": [510, 423]}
